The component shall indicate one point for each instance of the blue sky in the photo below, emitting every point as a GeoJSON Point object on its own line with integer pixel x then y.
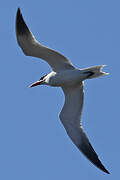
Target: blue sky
{"type": "Point", "coordinates": [33, 142]}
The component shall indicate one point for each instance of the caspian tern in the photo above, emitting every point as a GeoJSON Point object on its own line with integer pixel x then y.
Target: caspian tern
{"type": "Point", "coordinates": [70, 79]}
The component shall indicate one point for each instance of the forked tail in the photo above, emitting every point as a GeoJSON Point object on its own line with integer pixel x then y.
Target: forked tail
{"type": "Point", "coordinates": [95, 71]}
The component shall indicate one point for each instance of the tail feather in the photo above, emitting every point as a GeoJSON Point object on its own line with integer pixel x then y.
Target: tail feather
{"type": "Point", "coordinates": [95, 71]}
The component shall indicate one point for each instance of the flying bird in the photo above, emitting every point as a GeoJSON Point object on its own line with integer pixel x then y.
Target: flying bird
{"type": "Point", "coordinates": [70, 79]}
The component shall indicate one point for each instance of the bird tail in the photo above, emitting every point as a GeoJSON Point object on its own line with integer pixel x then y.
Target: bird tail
{"type": "Point", "coordinates": [95, 71]}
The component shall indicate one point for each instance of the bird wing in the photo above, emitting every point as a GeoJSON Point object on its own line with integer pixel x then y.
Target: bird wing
{"type": "Point", "coordinates": [31, 47]}
{"type": "Point", "coordinates": [70, 117]}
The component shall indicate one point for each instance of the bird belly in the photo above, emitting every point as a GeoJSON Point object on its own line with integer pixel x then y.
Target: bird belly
{"type": "Point", "coordinates": [66, 78]}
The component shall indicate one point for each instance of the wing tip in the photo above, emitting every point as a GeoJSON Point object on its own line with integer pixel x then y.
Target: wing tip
{"type": "Point", "coordinates": [86, 148]}
{"type": "Point", "coordinates": [21, 27]}
{"type": "Point", "coordinates": [101, 167]}
{"type": "Point", "coordinates": [92, 156]}
{"type": "Point", "coordinates": [106, 171]}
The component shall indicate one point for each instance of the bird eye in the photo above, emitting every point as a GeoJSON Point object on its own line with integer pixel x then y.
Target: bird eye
{"type": "Point", "coordinates": [43, 77]}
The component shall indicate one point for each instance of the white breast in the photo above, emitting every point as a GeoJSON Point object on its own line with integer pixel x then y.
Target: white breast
{"type": "Point", "coordinates": [63, 78]}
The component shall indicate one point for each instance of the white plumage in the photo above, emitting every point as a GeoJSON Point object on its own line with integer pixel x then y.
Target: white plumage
{"type": "Point", "coordinates": [70, 79]}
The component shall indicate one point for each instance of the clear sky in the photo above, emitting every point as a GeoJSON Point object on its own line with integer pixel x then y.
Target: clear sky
{"type": "Point", "coordinates": [33, 142]}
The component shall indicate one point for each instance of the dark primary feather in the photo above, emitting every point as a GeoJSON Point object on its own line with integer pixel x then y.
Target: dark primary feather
{"type": "Point", "coordinates": [86, 148]}
{"type": "Point", "coordinates": [21, 27]}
